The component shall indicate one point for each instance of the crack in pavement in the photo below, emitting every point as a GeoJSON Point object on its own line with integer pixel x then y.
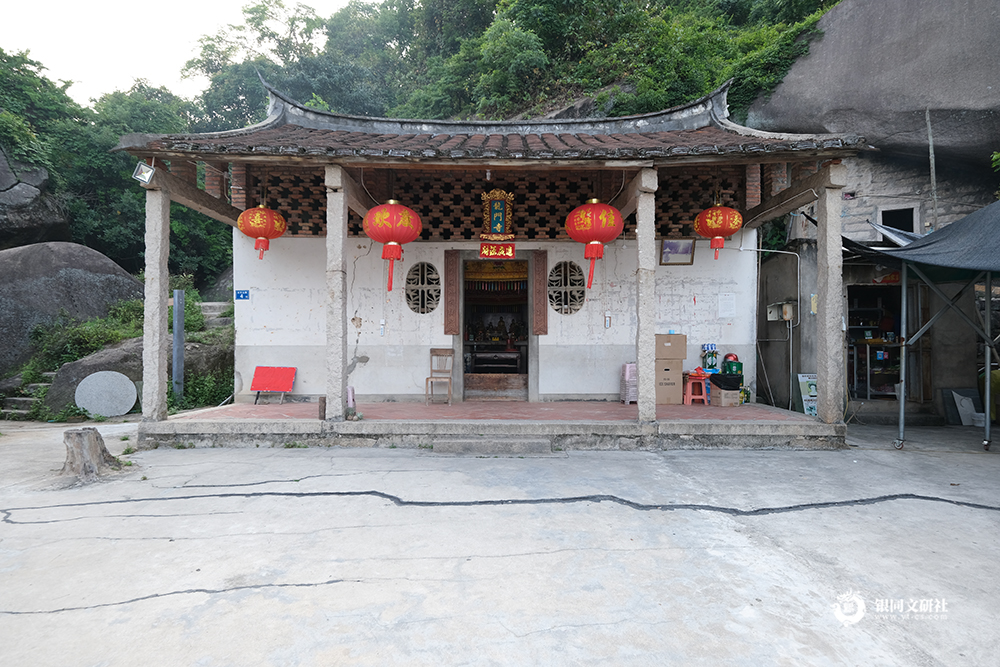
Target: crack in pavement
{"type": "Point", "coordinates": [189, 591]}
{"type": "Point", "coordinates": [7, 518]}
{"type": "Point", "coordinates": [7, 513]}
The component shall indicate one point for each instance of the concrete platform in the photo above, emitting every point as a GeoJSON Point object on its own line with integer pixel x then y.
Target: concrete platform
{"type": "Point", "coordinates": [580, 425]}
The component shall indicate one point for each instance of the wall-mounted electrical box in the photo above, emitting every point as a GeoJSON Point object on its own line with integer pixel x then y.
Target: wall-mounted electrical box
{"type": "Point", "coordinates": [776, 312]}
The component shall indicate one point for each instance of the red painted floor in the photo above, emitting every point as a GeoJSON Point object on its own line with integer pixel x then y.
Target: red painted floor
{"type": "Point", "coordinates": [577, 411]}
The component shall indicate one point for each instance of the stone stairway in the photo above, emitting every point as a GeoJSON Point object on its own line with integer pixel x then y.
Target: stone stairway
{"type": "Point", "coordinates": [19, 407]}
{"type": "Point", "coordinates": [212, 310]}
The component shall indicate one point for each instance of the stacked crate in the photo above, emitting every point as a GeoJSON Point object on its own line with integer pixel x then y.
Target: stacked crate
{"type": "Point", "coordinates": [629, 384]}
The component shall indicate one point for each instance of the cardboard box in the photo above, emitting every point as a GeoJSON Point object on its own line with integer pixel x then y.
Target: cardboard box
{"type": "Point", "coordinates": [669, 382]}
{"type": "Point", "coordinates": [723, 398]}
{"type": "Point", "coordinates": [671, 346]}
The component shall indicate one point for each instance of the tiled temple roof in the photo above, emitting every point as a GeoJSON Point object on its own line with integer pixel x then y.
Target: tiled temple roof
{"type": "Point", "coordinates": [294, 131]}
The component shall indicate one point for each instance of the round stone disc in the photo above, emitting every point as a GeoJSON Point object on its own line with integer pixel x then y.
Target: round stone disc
{"type": "Point", "coordinates": [106, 393]}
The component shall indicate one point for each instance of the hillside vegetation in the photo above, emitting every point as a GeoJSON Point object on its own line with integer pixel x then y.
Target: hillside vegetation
{"type": "Point", "coordinates": [402, 58]}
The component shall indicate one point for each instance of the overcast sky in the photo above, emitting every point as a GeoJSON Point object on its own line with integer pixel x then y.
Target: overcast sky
{"type": "Point", "coordinates": [104, 45]}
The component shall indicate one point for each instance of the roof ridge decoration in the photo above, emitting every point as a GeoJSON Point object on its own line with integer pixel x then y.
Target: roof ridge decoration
{"type": "Point", "coordinates": [698, 128]}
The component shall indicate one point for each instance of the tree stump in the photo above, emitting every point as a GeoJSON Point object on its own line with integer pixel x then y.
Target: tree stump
{"type": "Point", "coordinates": [86, 455]}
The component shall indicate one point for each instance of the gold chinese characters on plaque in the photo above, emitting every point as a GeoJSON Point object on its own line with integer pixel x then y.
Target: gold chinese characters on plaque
{"type": "Point", "coordinates": [498, 225]}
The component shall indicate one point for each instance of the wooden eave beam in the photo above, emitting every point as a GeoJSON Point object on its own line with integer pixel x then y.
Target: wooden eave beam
{"type": "Point", "coordinates": [189, 195]}
{"type": "Point", "coordinates": [796, 195]}
{"type": "Point", "coordinates": [645, 181]}
{"type": "Point", "coordinates": [358, 199]}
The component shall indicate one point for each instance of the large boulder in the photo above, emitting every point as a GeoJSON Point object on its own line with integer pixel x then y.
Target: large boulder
{"type": "Point", "coordinates": [878, 67]}
{"type": "Point", "coordinates": [126, 358]}
{"type": "Point", "coordinates": [28, 214]}
{"type": "Point", "coordinates": [39, 281]}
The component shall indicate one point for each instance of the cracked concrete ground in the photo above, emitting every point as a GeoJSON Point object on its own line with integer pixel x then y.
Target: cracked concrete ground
{"type": "Point", "coordinates": [216, 557]}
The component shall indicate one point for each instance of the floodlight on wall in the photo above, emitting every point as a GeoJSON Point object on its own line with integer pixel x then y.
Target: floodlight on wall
{"type": "Point", "coordinates": [143, 173]}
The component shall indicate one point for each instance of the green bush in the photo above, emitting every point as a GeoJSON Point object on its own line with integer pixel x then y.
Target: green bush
{"type": "Point", "coordinates": [68, 339]}
{"type": "Point", "coordinates": [201, 391]}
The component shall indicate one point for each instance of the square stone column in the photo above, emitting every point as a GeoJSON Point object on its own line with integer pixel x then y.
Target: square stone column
{"type": "Point", "coordinates": [830, 360]}
{"type": "Point", "coordinates": [645, 185]}
{"type": "Point", "coordinates": [155, 340]}
{"type": "Point", "coordinates": [336, 286]}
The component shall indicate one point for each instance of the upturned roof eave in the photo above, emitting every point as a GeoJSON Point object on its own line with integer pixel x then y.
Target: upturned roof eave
{"type": "Point", "coordinates": [710, 110]}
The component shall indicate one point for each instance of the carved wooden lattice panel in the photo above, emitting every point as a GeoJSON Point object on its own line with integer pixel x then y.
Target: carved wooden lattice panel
{"type": "Point", "coordinates": [450, 206]}
{"type": "Point", "coordinates": [297, 193]}
{"type": "Point", "coordinates": [683, 194]}
{"type": "Point", "coordinates": [450, 203]}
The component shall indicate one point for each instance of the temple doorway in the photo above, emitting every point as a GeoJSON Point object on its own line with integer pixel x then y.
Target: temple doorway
{"type": "Point", "coordinates": [496, 330]}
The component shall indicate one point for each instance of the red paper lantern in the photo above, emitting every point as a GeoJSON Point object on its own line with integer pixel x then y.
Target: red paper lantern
{"type": "Point", "coordinates": [595, 224]}
{"type": "Point", "coordinates": [718, 222]}
{"type": "Point", "coordinates": [262, 224]}
{"type": "Point", "coordinates": [392, 224]}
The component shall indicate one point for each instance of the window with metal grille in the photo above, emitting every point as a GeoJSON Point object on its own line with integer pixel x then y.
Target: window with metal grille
{"type": "Point", "coordinates": [423, 288]}
{"type": "Point", "coordinates": [567, 288]}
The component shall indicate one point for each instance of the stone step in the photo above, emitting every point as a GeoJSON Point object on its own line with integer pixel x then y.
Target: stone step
{"type": "Point", "coordinates": [17, 415]}
{"type": "Point", "coordinates": [49, 375]}
{"type": "Point", "coordinates": [214, 308]}
{"type": "Point", "coordinates": [19, 403]}
{"type": "Point", "coordinates": [35, 386]}
{"type": "Point", "coordinates": [218, 322]}
{"type": "Point", "coordinates": [493, 446]}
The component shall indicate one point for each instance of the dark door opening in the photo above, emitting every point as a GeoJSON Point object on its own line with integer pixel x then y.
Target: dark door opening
{"type": "Point", "coordinates": [495, 331]}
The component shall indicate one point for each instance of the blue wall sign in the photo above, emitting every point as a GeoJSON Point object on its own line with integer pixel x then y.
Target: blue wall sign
{"type": "Point", "coordinates": [242, 295]}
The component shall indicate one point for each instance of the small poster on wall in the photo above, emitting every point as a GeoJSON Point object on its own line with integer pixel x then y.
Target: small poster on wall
{"type": "Point", "coordinates": [807, 388]}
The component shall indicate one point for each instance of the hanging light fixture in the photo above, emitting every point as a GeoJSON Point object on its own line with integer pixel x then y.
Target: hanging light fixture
{"type": "Point", "coordinates": [718, 223]}
{"type": "Point", "coordinates": [595, 224]}
{"type": "Point", "coordinates": [262, 224]}
{"type": "Point", "coordinates": [392, 224]}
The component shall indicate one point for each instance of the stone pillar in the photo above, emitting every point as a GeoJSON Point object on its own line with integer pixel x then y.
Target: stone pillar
{"type": "Point", "coordinates": [830, 291]}
{"type": "Point", "coordinates": [645, 292]}
{"type": "Point", "coordinates": [155, 341]}
{"type": "Point", "coordinates": [336, 286]}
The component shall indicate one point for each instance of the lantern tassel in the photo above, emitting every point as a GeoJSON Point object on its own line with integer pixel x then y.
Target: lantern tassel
{"type": "Point", "coordinates": [262, 245]}
{"type": "Point", "coordinates": [392, 251]}
{"type": "Point", "coordinates": [717, 243]}
{"type": "Point", "coordinates": [593, 251]}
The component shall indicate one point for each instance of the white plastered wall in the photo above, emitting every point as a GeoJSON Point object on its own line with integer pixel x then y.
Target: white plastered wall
{"type": "Point", "coordinates": [282, 324]}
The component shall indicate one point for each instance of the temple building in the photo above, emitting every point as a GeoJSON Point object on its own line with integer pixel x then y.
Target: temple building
{"type": "Point", "coordinates": [513, 307]}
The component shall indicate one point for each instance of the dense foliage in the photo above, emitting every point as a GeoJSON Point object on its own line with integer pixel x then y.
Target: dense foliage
{"type": "Point", "coordinates": [403, 58]}
{"type": "Point", "coordinates": [458, 58]}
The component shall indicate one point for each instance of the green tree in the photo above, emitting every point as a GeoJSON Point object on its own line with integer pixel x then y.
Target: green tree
{"type": "Point", "coordinates": [512, 62]}
{"type": "Point", "coordinates": [106, 206]}
{"type": "Point", "coordinates": [448, 90]}
{"type": "Point", "coordinates": [442, 25]}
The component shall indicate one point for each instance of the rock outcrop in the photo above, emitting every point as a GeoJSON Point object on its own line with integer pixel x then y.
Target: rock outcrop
{"type": "Point", "coordinates": [126, 358]}
{"type": "Point", "coordinates": [39, 281]}
{"type": "Point", "coordinates": [878, 67]}
{"type": "Point", "coordinates": [27, 213]}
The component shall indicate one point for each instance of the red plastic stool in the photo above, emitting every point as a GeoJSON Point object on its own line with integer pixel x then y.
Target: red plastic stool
{"type": "Point", "coordinates": [695, 389]}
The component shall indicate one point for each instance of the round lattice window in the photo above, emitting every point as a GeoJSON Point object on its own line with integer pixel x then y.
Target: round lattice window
{"type": "Point", "coordinates": [423, 287]}
{"type": "Point", "coordinates": [567, 288]}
